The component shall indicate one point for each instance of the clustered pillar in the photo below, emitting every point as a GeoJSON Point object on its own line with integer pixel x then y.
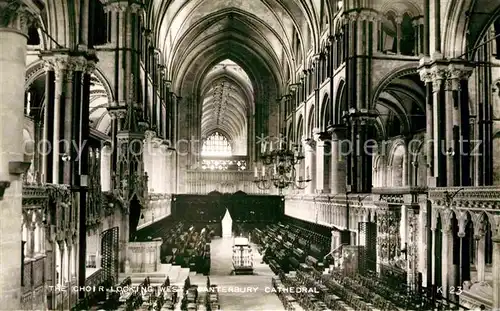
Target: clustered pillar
{"type": "Point", "coordinates": [13, 38]}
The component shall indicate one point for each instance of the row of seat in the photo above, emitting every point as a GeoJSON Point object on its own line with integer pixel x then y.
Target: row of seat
{"type": "Point", "coordinates": [289, 248]}
{"type": "Point", "coordinates": [307, 272]}
{"type": "Point", "coordinates": [376, 288]}
{"type": "Point", "coordinates": [188, 247]}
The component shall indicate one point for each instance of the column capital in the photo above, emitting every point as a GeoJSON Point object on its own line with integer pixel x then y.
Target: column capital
{"type": "Point", "coordinates": [123, 6]}
{"type": "Point", "coordinates": [446, 218]}
{"type": "Point", "coordinates": [316, 57]}
{"type": "Point", "coordinates": [56, 62]}
{"type": "Point", "coordinates": [337, 131]}
{"type": "Point", "coordinates": [321, 136]}
{"type": "Point", "coordinates": [117, 112]}
{"type": "Point", "coordinates": [18, 15]}
{"type": "Point", "coordinates": [458, 72]}
{"type": "Point", "coordinates": [149, 135]}
{"type": "Point", "coordinates": [293, 87]}
{"type": "Point", "coordinates": [308, 143]}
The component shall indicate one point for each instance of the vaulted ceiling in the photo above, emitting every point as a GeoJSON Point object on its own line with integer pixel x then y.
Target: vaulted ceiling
{"type": "Point", "coordinates": [266, 26]}
{"type": "Point", "coordinates": [231, 57]}
{"type": "Point", "coordinates": [227, 103]}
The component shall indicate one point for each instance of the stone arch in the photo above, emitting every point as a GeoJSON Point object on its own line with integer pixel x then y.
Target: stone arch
{"type": "Point", "coordinates": [300, 129]}
{"type": "Point", "coordinates": [311, 118]}
{"type": "Point", "coordinates": [33, 72]}
{"type": "Point", "coordinates": [326, 112]}
{"type": "Point", "coordinates": [379, 168]}
{"type": "Point", "coordinates": [396, 164]}
{"type": "Point", "coordinates": [340, 103]}
{"type": "Point", "coordinates": [400, 7]}
{"type": "Point", "coordinates": [393, 75]}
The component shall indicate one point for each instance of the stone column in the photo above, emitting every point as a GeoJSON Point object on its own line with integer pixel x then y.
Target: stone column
{"type": "Point", "coordinates": [406, 166]}
{"type": "Point", "coordinates": [69, 265]}
{"type": "Point", "coordinates": [423, 240]}
{"type": "Point", "coordinates": [433, 245]}
{"type": "Point", "coordinates": [398, 21]}
{"type": "Point", "coordinates": [447, 252]}
{"type": "Point", "coordinates": [59, 64]}
{"type": "Point", "coordinates": [338, 164]}
{"type": "Point", "coordinates": [310, 168]}
{"type": "Point", "coordinates": [479, 237]}
{"type": "Point", "coordinates": [458, 106]}
{"type": "Point", "coordinates": [158, 170]}
{"type": "Point", "coordinates": [60, 244]}
{"type": "Point", "coordinates": [47, 116]}
{"type": "Point", "coordinates": [448, 135]}
{"type": "Point", "coordinates": [426, 77]}
{"type": "Point", "coordinates": [13, 38]}
{"type": "Point", "coordinates": [67, 122]}
{"type": "Point", "coordinates": [321, 146]}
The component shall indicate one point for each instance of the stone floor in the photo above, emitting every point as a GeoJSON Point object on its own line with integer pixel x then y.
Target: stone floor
{"type": "Point", "coordinates": [239, 292]}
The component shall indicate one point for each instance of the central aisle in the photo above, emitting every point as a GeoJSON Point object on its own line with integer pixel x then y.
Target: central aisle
{"type": "Point", "coordinates": [254, 290]}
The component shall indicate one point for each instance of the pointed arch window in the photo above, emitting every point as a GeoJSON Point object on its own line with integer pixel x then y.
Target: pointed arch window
{"type": "Point", "coordinates": [216, 145]}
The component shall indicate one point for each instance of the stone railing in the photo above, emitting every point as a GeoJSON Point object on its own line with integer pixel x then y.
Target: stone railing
{"type": "Point", "coordinates": [466, 198]}
{"type": "Point", "coordinates": [143, 256]}
{"type": "Point", "coordinates": [330, 210]}
{"type": "Point", "coordinates": [159, 207]}
{"type": "Point", "coordinates": [33, 287]}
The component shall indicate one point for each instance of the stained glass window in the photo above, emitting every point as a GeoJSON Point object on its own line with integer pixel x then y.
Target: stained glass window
{"type": "Point", "coordinates": [216, 145]}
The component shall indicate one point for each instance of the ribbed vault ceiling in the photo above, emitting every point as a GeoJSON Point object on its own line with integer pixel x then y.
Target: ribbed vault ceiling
{"type": "Point", "coordinates": [230, 57]}
{"type": "Point", "coordinates": [99, 117]}
{"type": "Point", "coordinates": [227, 100]}
{"type": "Point", "coordinates": [269, 22]}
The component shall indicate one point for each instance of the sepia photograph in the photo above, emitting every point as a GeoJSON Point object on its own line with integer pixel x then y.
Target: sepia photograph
{"type": "Point", "coordinates": [260, 155]}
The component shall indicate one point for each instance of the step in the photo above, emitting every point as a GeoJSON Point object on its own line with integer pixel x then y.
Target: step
{"type": "Point", "coordinates": [192, 273]}
{"type": "Point", "coordinates": [165, 268]}
{"type": "Point", "coordinates": [173, 274]}
{"type": "Point", "coordinates": [143, 274]}
{"type": "Point", "coordinates": [183, 274]}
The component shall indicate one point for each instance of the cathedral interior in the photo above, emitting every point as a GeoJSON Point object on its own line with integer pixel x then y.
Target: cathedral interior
{"type": "Point", "coordinates": [351, 143]}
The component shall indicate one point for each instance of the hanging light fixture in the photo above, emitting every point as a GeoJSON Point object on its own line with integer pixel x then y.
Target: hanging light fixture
{"type": "Point", "coordinates": [277, 165]}
{"type": "Point", "coordinates": [277, 168]}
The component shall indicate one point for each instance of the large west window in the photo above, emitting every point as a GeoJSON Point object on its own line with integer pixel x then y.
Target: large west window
{"type": "Point", "coordinates": [216, 145]}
